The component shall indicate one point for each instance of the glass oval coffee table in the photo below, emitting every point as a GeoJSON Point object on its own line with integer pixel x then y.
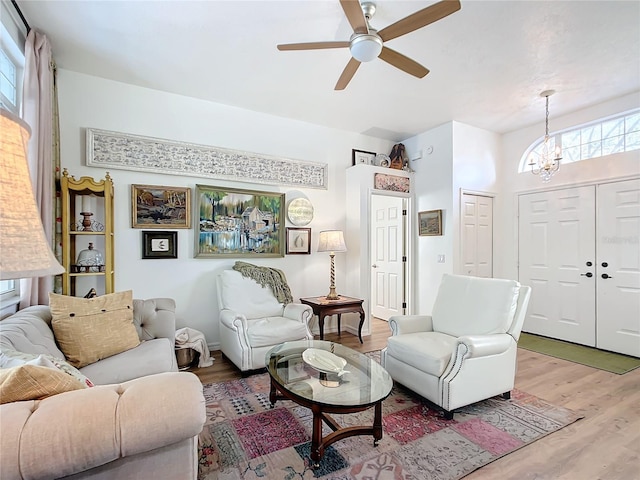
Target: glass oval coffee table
{"type": "Point", "coordinates": [355, 384]}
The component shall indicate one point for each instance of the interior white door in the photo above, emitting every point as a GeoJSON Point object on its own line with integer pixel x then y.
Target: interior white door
{"type": "Point", "coordinates": [387, 273]}
{"type": "Point", "coordinates": [477, 235]}
{"type": "Point", "coordinates": [618, 267]}
{"type": "Point", "coordinates": [556, 258]}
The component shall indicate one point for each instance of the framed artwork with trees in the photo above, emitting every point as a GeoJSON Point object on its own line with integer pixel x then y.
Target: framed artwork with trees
{"type": "Point", "coordinates": [238, 223]}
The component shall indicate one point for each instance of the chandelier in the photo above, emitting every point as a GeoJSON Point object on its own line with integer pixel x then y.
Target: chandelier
{"type": "Point", "coordinates": [548, 158]}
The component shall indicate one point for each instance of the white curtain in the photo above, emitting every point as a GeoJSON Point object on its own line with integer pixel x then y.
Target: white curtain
{"type": "Point", "coordinates": [38, 111]}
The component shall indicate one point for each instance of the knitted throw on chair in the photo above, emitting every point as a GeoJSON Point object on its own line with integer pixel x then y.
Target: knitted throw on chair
{"type": "Point", "coordinates": [272, 277]}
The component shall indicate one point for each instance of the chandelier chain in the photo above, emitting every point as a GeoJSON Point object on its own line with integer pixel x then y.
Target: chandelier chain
{"type": "Point", "coordinates": [546, 127]}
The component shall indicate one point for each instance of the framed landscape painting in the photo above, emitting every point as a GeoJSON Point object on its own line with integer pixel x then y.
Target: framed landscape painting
{"type": "Point", "coordinates": [430, 222]}
{"type": "Point", "coordinates": [155, 206]}
{"type": "Point", "coordinates": [238, 223]}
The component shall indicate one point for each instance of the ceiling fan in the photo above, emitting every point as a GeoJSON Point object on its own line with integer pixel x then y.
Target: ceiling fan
{"type": "Point", "coordinates": [366, 43]}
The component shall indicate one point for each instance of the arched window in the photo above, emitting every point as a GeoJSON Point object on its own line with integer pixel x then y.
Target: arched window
{"type": "Point", "coordinates": [605, 136]}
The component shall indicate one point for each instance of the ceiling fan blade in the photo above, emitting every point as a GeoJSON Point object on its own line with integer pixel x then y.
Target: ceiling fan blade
{"type": "Point", "coordinates": [347, 74]}
{"type": "Point", "coordinates": [403, 63]}
{"type": "Point", "coordinates": [353, 11]}
{"type": "Point", "coordinates": [419, 19]}
{"type": "Point", "coordinates": [312, 45]}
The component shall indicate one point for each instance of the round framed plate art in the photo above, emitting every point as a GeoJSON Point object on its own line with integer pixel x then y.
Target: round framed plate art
{"type": "Point", "coordinates": [300, 211]}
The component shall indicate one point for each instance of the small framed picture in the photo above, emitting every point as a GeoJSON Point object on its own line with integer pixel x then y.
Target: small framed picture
{"type": "Point", "coordinates": [155, 206]}
{"type": "Point", "coordinates": [361, 157]}
{"type": "Point", "coordinates": [159, 244]}
{"type": "Point", "coordinates": [430, 222]}
{"type": "Point", "coordinates": [298, 241]}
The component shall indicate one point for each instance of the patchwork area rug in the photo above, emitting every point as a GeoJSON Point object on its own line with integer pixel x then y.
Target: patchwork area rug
{"type": "Point", "coordinates": [244, 438]}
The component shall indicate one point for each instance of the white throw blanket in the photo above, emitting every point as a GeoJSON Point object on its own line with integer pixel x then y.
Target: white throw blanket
{"type": "Point", "coordinates": [189, 338]}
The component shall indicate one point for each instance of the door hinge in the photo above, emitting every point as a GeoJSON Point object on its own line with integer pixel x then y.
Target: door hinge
{"type": "Point", "coordinates": [404, 258]}
{"type": "Point", "coordinates": [404, 212]}
{"type": "Point", "coordinates": [404, 305]}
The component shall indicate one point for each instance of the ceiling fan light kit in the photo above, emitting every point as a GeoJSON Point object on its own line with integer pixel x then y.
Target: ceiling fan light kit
{"type": "Point", "coordinates": [367, 44]}
{"type": "Point", "coordinates": [365, 47]}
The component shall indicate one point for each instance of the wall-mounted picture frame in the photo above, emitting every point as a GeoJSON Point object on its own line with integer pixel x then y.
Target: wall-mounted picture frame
{"type": "Point", "coordinates": [238, 223]}
{"type": "Point", "coordinates": [430, 223]}
{"type": "Point", "coordinates": [298, 241]}
{"type": "Point", "coordinates": [156, 244]}
{"type": "Point", "coordinates": [157, 206]}
{"type": "Point", "coordinates": [392, 183]}
{"type": "Point", "coordinates": [361, 157]}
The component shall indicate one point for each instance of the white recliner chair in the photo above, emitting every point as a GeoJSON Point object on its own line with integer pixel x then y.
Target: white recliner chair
{"type": "Point", "coordinates": [465, 351]}
{"type": "Point", "coordinates": [252, 320]}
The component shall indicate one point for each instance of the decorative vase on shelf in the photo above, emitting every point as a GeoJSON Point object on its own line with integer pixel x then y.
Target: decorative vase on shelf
{"type": "Point", "coordinates": [90, 260]}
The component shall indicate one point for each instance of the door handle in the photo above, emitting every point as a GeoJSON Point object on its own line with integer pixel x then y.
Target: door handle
{"type": "Point", "coordinates": [374, 266]}
{"type": "Point", "coordinates": [605, 276]}
{"type": "Point", "coordinates": [588, 274]}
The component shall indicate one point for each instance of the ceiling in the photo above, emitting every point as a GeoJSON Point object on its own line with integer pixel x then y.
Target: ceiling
{"type": "Point", "coordinates": [488, 62]}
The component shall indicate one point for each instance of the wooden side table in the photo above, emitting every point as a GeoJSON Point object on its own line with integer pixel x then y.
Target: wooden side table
{"type": "Point", "coordinates": [323, 308]}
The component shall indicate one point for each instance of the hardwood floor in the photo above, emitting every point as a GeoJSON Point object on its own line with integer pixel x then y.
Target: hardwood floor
{"type": "Point", "coordinates": [605, 444]}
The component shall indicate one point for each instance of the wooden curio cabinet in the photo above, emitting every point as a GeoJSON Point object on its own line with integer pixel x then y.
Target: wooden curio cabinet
{"type": "Point", "coordinates": [87, 235]}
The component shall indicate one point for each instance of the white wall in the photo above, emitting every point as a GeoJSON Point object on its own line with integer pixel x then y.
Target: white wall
{"type": "Point", "coordinates": [622, 165]}
{"type": "Point", "coordinates": [462, 158]}
{"type": "Point", "coordinates": [433, 180]}
{"type": "Point", "coordinates": [476, 158]}
{"type": "Point", "coordinates": [87, 101]}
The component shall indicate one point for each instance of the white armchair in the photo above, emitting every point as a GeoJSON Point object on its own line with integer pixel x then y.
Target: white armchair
{"type": "Point", "coordinates": [252, 320]}
{"type": "Point", "coordinates": [465, 351]}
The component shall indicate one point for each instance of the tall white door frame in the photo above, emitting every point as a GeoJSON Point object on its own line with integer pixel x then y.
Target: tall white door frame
{"type": "Point", "coordinates": [382, 303]}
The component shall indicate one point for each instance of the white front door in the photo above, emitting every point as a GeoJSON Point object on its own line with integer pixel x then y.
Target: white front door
{"type": "Point", "coordinates": [387, 240]}
{"type": "Point", "coordinates": [477, 235]}
{"type": "Point", "coordinates": [557, 259]}
{"type": "Point", "coordinates": [618, 267]}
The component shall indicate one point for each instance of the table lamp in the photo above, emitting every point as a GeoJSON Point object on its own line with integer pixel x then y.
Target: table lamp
{"type": "Point", "coordinates": [332, 241]}
{"type": "Point", "coordinates": [24, 249]}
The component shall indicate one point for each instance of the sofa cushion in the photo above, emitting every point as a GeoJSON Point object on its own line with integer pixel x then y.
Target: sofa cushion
{"type": "Point", "coordinates": [246, 296]}
{"type": "Point", "coordinates": [89, 330]}
{"type": "Point", "coordinates": [474, 306]}
{"type": "Point", "coordinates": [148, 358]}
{"type": "Point", "coordinates": [11, 358]}
{"type": "Point", "coordinates": [274, 330]}
{"type": "Point", "coordinates": [27, 331]}
{"type": "Point", "coordinates": [33, 382]}
{"type": "Point", "coordinates": [429, 352]}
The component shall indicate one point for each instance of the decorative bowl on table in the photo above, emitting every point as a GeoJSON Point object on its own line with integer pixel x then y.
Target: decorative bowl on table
{"type": "Point", "coordinates": [324, 362]}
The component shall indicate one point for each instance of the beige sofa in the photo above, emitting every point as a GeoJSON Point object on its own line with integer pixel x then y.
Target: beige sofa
{"type": "Point", "coordinates": [140, 420]}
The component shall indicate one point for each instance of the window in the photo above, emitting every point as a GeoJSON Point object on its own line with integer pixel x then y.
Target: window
{"type": "Point", "coordinates": [11, 64]}
{"type": "Point", "coordinates": [11, 73]}
{"type": "Point", "coordinates": [616, 134]}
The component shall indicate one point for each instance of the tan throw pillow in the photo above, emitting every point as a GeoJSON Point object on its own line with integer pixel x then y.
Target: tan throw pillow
{"type": "Point", "coordinates": [88, 330]}
{"type": "Point", "coordinates": [33, 382]}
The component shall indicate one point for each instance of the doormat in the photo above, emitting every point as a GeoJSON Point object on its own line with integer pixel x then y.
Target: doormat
{"type": "Point", "coordinates": [244, 438]}
{"type": "Point", "coordinates": [589, 356]}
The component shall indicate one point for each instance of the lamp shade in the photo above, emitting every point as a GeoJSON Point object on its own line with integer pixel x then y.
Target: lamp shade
{"type": "Point", "coordinates": [24, 249]}
{"type": "Point", "coordinates": [332, 241]}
